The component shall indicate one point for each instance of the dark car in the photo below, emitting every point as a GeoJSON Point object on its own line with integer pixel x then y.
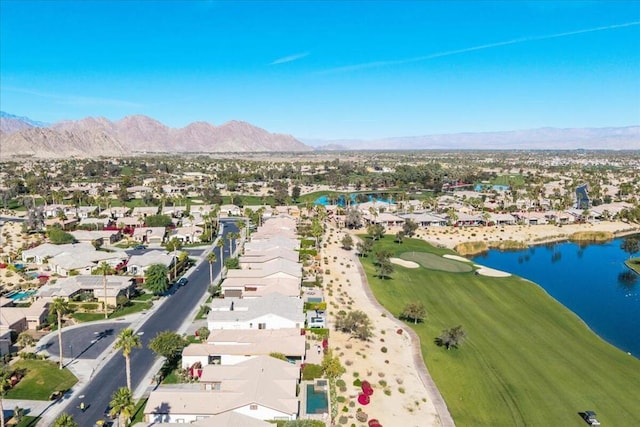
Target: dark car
{"type": "Point", "coordinates": [139, 247]}
{"type": "Point", "coordinates": [182, 281]}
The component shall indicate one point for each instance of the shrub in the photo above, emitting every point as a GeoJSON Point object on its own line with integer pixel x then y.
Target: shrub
{"type": "Point", "coordinates": [361, 416]}
{"type": "Point", "coordinates": [341, 383]}
{"type": "Point", "coordinates": [357, 383]}
{"type": "Point", "coordinates": [383, 349]}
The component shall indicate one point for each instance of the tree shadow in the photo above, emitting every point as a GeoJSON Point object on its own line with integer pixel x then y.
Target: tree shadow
{"type": "Point", "coordinates": [161, 413]}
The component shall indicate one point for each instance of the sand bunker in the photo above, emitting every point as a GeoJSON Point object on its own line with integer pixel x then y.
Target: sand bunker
{"type": "Point", "coordinates": [456, 257]}
{"type": "Point", "coordinates": [404, 263]}
{"type": "Point", "coordinates": [490, 272]}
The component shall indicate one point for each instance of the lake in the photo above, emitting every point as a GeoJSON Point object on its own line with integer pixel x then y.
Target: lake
{"type": "Point", "coordinates": [591, 280]}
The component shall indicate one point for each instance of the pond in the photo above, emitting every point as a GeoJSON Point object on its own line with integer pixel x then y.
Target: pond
{"type": "Point", "coordinates": [591, 280]}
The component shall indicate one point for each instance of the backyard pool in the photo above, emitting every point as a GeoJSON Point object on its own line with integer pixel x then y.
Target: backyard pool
{"type": "Point", "coordinates": [18, 295]}
{"type": "Point", "coordinates": [316, 401]}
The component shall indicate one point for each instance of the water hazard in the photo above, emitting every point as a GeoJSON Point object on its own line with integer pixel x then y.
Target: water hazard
{"type": "Point", "coordinates": [591, 280]}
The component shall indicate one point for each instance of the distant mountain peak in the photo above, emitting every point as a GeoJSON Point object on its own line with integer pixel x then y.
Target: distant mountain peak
{"type": "Point", "coordinates": [131, 135]}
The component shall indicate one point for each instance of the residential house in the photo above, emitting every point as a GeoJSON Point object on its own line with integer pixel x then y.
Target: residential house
{"type": "Point", "coordinates": [150, 235]}
{"type": "Point", "coordinates": [174, 211]}
{"type": "Point", "coordinates": [69, 287]}
{"type": "Point", "coordinates": [141, 212]}
{"type": "Point", "coordinates": [263, 388]}
{"type": "Point", "coordinates": [226, 419]}
{"type": "Point", "coordinates": [192, 234]}
{"type": "Point", "coordinates": [138, 264]}
{"type": "Point", "coordinates": [102, 236]}
{"type": "Point", "coordinates": [243, 287]}
{"type": "Point", "coordinates": [229, 347]}
{"type": "Point", "coordinates": [115, 212]}
{"type": "Point", "coordinates": [20, 319]}
{"type": "Point", "coordinates": [273, 311]}
{"type": "Point", "coordinates": [230, 210]}
{"type": "Point", "coordinates": [426, 219]}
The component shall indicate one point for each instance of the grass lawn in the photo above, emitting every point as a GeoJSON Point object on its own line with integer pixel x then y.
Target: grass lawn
{"type": "Point", "coordinates": [43, 378]}
{"type": "Point", "coordinates": [28, 421]}
{"type": "Point", "coordinates": [138, 413]}
{"type": "Point", "coordinates": [437, 262]}
{"type": "Point", "coordinates": [634, 264]}
{"type": "Point", "coordinates": [135, 307]}
{"type": "Point", "coordinates": [527, 360]}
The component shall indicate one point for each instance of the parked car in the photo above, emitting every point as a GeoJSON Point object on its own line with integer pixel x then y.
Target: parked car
{"type": "Point", "coordinates": [182, 281]}
{"type": "Point", "coordinates": [139, 247]}
{"type": "Point", "coordinates": [590, 418]}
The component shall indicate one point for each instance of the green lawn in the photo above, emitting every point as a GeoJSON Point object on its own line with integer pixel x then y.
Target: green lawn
{"type": "Point", "coordinates": [138, 413]}
{"type": "Point", "coordinates": [527, 359]}
{"type": "Point", "coordinates": [135, 307]}
{"type": "Point", "coordinates": [28, 421]}
{"type": "Point", "coordinates": [634, 264]}
{"type": "Point", "coordinates": [42, 378]}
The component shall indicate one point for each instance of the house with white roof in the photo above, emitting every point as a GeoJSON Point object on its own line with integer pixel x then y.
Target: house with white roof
{"type": "Point", "coordinates": [174, 211]}
{"type": "Point", "coordinates": [115, 212]}
{"type": "Point", "coordinates": [273, 311]}
{"type": "Point", "coordinates": [69, 287]}
{"type": "Point", "coordinates": [263, 388]}
{"type": "Point", "coordinates": [230, 210]}
{"type": "Point", "coordinates": [138, 264]}
{"type": "Point", "coordinates": [229, 347]}
{"type": "Point", "coordinates": [226, 419]}
{"type": "Point", "coordinates": [244, 287]}
{"type": "Point", "coordinates": [191, 234]}
{"type": "Point", "coordinates": [149, 235]}
{"type": "Point", "coordinates": [268, 255]}
{"type": "Point", "coordinates": [103, 236]}
{"type": "Point", "coordinates": [274, 242]}
{"type": "Point", "coordinates": [144, 211]}
{"type": "Point", "coordinates": [426, 219]}
{"type": "Point", "coordinates": [20, 319]}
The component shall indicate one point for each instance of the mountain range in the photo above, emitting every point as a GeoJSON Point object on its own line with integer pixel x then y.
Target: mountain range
{"type": "Point", "coordinates": [609, 138]}
{"type": "Point", "coordinates": [133, 135]}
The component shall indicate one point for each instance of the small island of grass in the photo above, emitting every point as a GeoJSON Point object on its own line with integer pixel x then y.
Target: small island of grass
{"type": "Point", "coordinates": [633, 264]}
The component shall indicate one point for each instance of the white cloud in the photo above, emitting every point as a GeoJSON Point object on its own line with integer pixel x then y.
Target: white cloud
{"type": "Point", "coordinates": [290, 58]}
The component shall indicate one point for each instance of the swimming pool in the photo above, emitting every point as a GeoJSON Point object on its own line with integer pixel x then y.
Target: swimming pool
{"type": "Point", "coordinates": [21, 294]}
{"type": "Point", "coordinates": [317, 402]}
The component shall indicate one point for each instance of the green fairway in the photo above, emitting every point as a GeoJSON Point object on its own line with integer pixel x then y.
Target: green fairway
{"type": "Point", "coordinates": [527, 360]}
{"type": "Point", "coordinates": [437, 262]}
{"type": "Point", "coordinates": [42, 378]}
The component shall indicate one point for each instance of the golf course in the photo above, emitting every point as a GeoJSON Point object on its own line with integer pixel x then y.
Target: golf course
{"type": "Point", "coordinates": [526, 359]}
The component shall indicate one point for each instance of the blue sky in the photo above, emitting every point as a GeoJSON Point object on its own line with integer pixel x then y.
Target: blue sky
{"type": "Point", "coordinates": [326, 69]}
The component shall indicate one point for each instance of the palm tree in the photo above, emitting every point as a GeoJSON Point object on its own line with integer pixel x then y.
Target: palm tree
{"type": "Point", "coordinates": [60, 307]}
{"type": "Point", "coordinates": [127, 340]}
{"type": "Point", "coordinates": [220, 245]}
{"type": "Point", "coordinates": [211, 258]}
{"type": "Point", "coordinates": [122, 405]}
{"type": "Point", "coordinates": [104, 269]}
{"type": "Point", "coordinates": [65, 420]}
